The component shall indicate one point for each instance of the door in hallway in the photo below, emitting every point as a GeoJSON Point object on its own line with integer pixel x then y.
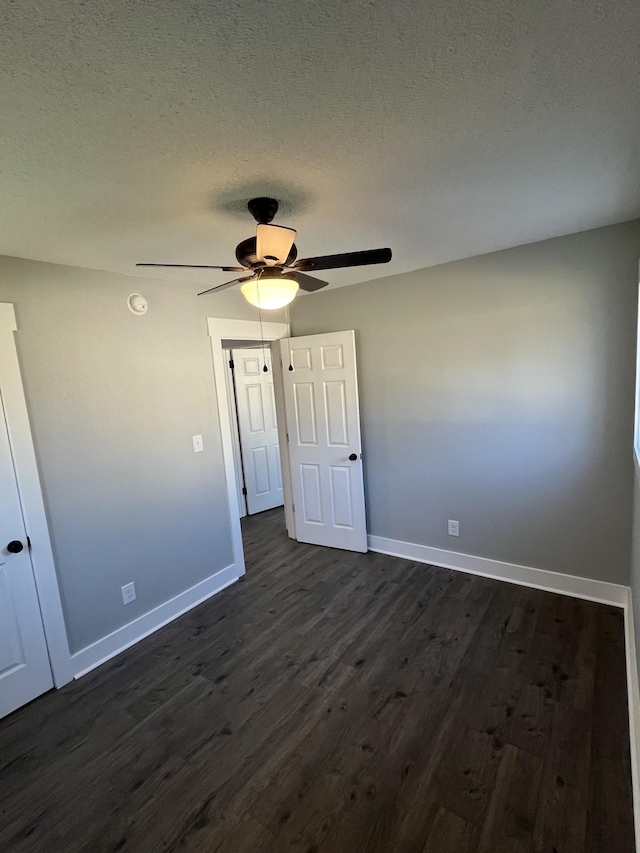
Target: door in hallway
{"type": "Point", "coordinates": [258, 429]}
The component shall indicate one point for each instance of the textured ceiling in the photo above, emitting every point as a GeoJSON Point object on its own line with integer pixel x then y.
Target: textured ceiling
{"type": "Point", "coordinates": [137, 130]}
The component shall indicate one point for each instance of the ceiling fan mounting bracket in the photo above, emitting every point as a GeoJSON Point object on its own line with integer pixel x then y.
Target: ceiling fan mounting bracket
{"type": "Point", "coordinates": [263, 209]}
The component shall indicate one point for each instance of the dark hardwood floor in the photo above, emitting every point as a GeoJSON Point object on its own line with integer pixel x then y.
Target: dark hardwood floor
{"type": "Point", "coordinates": [337, 702]}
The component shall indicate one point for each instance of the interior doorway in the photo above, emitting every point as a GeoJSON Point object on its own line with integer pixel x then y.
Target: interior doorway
{"type": "Point", "coordinates": [224, 335]}
{"type": "Point", "coordinates": [316, 408]}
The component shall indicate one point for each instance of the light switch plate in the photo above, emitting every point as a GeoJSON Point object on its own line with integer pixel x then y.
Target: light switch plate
{"type": "Point", "coordinates": [198, 446]}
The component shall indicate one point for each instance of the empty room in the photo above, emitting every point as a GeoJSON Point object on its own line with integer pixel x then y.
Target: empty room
{"type": "Point", "coordinates": [319, 426]}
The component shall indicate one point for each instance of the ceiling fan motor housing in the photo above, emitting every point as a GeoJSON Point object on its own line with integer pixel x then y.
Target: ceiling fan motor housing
{"type": "Point", "coordinates": [246, 254]}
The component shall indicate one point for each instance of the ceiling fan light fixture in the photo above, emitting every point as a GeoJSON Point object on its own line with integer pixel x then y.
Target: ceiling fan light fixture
{"type": "Point", "coordinates": [270, 265]}
{"type": "Point", "coordinates": [270, 292]}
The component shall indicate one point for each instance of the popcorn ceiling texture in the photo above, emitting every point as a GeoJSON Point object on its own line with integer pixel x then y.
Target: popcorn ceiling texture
{"type": "Point", "coordinates": [136, 130]}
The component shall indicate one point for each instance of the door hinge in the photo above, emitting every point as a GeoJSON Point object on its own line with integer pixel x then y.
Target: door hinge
{"type": "Point", "coordinates": [244, 490]}
{"type": "Point", "coordinates": [231, 364]}
{"type": "Point", "coordinates": [287, 436]}
{"type": "Point", "coordinates": [293, 507]}
{"type": "Point", "coordinates": [29, 542]}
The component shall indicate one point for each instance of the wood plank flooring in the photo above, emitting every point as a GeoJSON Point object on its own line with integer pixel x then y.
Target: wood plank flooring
{"type": "Point", "coordinates": [333, 703]}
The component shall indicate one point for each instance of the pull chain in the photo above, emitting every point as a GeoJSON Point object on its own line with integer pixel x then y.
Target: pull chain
{"type": "Point", "coordinates": [265, 369]}
{"type": "Point", "coordinates": [289, 336]}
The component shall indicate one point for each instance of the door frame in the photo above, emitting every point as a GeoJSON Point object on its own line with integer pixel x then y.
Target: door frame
{"type": "Point", "coordinates": [248, 330]}
{"type": "Point", "coordinates": [31, 500]}
{"type": "Point", "coordinates": [235, 435]}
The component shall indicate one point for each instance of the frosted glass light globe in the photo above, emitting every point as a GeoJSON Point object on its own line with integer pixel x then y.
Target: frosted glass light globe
{"type": "Point", "coordinates": [270, 293]}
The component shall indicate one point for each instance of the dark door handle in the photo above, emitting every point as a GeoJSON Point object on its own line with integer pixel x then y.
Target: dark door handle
{"type": "Point", "coordinates": [15, 546]}
{"type": "Point", "coordinates": [353, 457]}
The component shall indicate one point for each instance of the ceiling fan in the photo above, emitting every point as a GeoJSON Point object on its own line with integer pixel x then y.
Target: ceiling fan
{"type": "Point", "coordinates": [270, 258]}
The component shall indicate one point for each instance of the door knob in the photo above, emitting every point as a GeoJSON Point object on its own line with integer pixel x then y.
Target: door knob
{"type": "Point", "coordinates": [353, 457]}
{"type": "Point", "coordinates": [15, 546]}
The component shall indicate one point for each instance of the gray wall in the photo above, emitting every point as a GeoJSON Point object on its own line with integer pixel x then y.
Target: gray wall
{"type": "Point", "coordinates": [114, 400]}
{"type": "Point", "coordinates": [499, 391]}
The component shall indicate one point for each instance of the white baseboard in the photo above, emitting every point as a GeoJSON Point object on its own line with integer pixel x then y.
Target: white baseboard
{"type": "Point", "coordinates": [633, 693]}
{"type": "Point", "coordinates": [122, 638]}
{"type": "Point", "coordinates": [593, 590]}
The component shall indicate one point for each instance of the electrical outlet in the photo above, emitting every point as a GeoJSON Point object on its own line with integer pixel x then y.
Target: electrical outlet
{"type": "Point", "coordinates": [454, 528]}
{"type": "Point", "coordinates": [128, 593]}
{"type": "Point", "coordinates": [198, 446]}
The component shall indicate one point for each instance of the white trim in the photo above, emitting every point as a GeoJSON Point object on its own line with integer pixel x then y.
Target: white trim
{"type": "Point", "coordinates": [128, 635]}
{"type": "Point", "coordinates": [592, 590]}
{"type": "Point", "coordinates": [235, 433]}
{"type": "Point", "coordinates": [283, 440]}
{"type": "Point", "coordinates": [245, 330]}
{"type": "Point", "coordinates": [636, 420]}
{"type": "Point", "coordinates": [633, 693]}
{"type": "Point", "coordinates": [7, 317]}
{"type": "Point", "coordinates": [31, 499]}
{"type": "Point", "coordinates": [241, 330]}
{"type": "Point", "coordinates": [633, 689]}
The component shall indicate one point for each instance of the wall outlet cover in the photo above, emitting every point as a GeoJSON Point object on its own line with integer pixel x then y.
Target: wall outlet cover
{"type": "Point", "coordinates": [454, 528]}
{"type": "Point", "coordinates": [128, 593]}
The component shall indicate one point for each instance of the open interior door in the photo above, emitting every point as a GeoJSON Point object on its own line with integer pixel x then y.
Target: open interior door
{"type": "Point", "coordinates": [325, 451]}
{"type": "Point", "coordinates": [24, 660]}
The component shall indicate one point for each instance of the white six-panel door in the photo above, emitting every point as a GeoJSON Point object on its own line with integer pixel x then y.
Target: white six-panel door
{"type": "Point", "coordinates": [24, 661]}
{"type": "Point", "coordinates": [258, 429]}
{"type": "Point", "coordinates": [323, 425]}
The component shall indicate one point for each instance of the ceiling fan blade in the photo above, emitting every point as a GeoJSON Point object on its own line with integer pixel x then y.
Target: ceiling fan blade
{"type": "Point", "coordinates": [347, 259]}
{"type": "Point", "coordinates": [305, 282]}
{"type": "Point", "coordinates": [273, 244]}
{"type": "Point", "coordinates": [226, 284]}
{"type": "Point", "coordinates": [195, 267]}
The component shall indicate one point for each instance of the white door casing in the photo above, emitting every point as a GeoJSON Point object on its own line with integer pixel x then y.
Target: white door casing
{"type": "Point", "coordinates": [323, 425]}
{"type": "Point", "coordinates": [221, 330]}
{"type": "Point", "coordinates": [235, 435]}
{"type": "Point", "coordinates": [25, 671]}
{"type": "Point", "coordinates": [258, 429]}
